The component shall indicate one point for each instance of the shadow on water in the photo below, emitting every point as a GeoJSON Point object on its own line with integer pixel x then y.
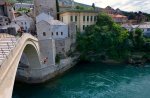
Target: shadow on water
{"type": "Point", "coordinates": [91, 79]}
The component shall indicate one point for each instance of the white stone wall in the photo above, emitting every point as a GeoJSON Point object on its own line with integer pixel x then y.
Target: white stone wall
{"type": "Point", "coordinates": [51, 31]}
{"type": "Point", "coordinates": [62, 46]}
{"type": "Point", "coordinates": [26, 23]}
{"type": "Point", "coordinates": [4, 21]}
{"type": "Point", "coordinates": [43, 16]}
{"type": "Point", "coordinates": [62, 31]}
{"type": "Point", "coordinates": [41, 27]}
{"type": "Point", "coordinates": [47, 50]}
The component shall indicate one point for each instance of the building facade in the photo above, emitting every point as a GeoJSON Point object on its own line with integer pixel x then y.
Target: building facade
{"type": "Point", "coordinates": [145, 27]}
{"type": "Point", "coordinates": [82, 19]}
{"type": "Point", "coordinates": [4, 21]}
{"type": "Point", "coordinates": [48, 28]}
{"type": "Point", "coordinates": [25, 22]}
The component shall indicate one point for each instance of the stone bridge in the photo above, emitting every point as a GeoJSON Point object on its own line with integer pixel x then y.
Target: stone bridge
{"type": "Point", "coordinates": [37, 70]}
{"type": "Point", "coordinates": [10, 54]}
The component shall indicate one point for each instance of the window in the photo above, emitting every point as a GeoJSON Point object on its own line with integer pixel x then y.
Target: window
{"type": "Point", "coordinates": [52, 33]}
{"type": "Point", "coordinates": [61, 33]}
{"type": "Point", "coordinates": [91, 18]}
{"type": "Point", "coordinates": [94, 18]}
{"type": "Point", "coordinates": [56, 33]}
{"type": "Point", "coordinates": [87, 18]}
{"type": "Point", "coordinates": [83, 27]}
{"type": "Point", "coordinates": [25, 23]}
{"type": "Point", "coordinates": [44, 33]}
{"type": "Point", "coordinates": [5, 19]}
{"type": "Point", "coordinates": [76, 18]}
{"type": "Point", "coordinates": [71, 18]}
{"type": "Point", "coordinates": [83, 18]}
{"type": "Point", "coordinates": [22, 23]}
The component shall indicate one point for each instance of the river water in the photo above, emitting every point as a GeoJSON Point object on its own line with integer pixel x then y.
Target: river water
{"type": "Point", "coordinates": [92, 81]}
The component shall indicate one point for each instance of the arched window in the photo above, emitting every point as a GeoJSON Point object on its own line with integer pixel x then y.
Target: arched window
{"type": "Point", "coordinates": [44, 33]}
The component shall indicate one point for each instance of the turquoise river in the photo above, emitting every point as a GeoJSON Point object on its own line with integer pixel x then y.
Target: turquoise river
{"type": "Point", "coordinates": [92, 81]}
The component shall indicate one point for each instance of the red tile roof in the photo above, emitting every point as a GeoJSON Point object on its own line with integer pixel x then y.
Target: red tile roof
{"type": "Point", "coordinates": [117, 16]}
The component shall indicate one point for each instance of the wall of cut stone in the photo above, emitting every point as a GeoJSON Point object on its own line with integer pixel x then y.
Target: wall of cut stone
{"type": "Point", "coordinates": [47, 6]}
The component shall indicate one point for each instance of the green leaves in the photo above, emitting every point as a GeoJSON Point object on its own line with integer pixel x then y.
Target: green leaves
{"type": "Point", "coordinates": [105, 37]}
{"type": "Point", "coordinates": [10, 1]}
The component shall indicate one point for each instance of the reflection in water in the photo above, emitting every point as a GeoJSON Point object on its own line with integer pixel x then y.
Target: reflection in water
{"type": "Point", "coordinates": [92, 81]}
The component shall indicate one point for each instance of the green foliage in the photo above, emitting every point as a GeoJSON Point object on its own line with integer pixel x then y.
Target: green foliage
{"type": "Point", "coordinates": [24, 10]}
{"type": "Point", "coordinates": [104, 20]}
{"type": "Point", "coordinates": [10, 1]}
{"type": "Point", "coordinates": [78, 7]}
{"type": "Point", "coordinates": [137, 39]}
{"type": "Point", "coordinates": [25, 1]}
{"type": "Point", "coordinates": [105, 37]}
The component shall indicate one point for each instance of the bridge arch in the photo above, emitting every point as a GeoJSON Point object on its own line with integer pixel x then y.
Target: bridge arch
{"type": "Point", "coordinates": [32, 56]}
{"type": "Point", "coordinates": [8, 70]}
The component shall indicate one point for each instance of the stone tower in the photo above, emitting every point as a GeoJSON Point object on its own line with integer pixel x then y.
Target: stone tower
{"type": "Point", "coordinates": [46, 6]}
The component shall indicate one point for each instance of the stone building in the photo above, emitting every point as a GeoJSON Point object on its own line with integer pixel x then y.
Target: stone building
{"type": "Point", "coordinates": [4, 21]}
{"type": "Point", "coordinates": [10, 29]}
{"type": "Point", "coordinates": [48, 28]}
{"type": "Point", "coordinates": [25, 22]}
{"type": "Point", "coordinates": [43, 16]}
{"type": "Point", "coordinates": [46, 6]}
{"type": "Point", "coordinates": [145, 27]}
{"type": "Point", "coordinates": [82, 19]}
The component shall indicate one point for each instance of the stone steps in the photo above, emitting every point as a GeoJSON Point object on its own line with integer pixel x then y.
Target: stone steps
{"type": "Point", "coordinates": [7, 43]}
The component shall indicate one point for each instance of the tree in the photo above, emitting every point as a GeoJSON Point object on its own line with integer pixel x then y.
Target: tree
{"type": "Point", "coordinates": [138, 39]}
{"type": "Point", "coordinates": [104, 20]}
{"type": "Point", "coordinates": [105, 37]}
{"type": "Point", "coordinates": [80, 7]}
{"type": "Point", "coordinates": [10, 1]}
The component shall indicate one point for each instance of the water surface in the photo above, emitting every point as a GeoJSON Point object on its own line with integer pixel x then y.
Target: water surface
{"type": "Point", "coordinates": [92, 81]}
